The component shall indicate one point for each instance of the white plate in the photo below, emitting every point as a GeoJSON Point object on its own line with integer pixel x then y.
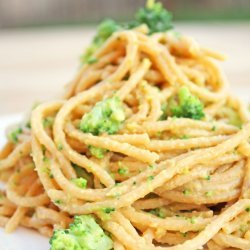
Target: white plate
{"type": "Point", "coordinates": [21, 239]}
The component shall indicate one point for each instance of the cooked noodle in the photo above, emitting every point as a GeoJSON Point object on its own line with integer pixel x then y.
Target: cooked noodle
{"type": "Point", "coordinates": [200, 183]}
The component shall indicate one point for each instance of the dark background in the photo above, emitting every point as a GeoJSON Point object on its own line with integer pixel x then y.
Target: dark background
{"type": "Point", "coordinates": [30, 13]}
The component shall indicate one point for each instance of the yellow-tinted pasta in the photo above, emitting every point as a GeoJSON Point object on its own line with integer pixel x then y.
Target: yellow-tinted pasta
{"type": "Point", "coordinates": [172, 183]}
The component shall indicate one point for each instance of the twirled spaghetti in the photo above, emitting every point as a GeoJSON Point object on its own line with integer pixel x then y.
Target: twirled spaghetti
{"type": "Point", "coordinates": [184, 183]}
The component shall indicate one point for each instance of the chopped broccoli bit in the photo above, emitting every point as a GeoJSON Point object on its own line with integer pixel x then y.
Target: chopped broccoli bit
{"type": "Point", "coordinates": [58, 202]}
{"type": "Point", "coordinates": [150, 178]}
{"type": "Point", "coordinates": [164, 111]}
{"type": "Point", "coordinates": [234, 119]}
{"type": "Point", "coordinates": [186, 192]}
{"type": "Point", "coordinates": [45, 159]}
{"type": "Point", "coordinates": [184, 137]}
{"type": "Point", "coordinates": [122, 171]}
{"type": "Point", "coordinates": [155, 16]}
{"type": "Point", "coordinates": [187, 105]}
{"type": "Point", "coordinates": [105, 117]}
{"type": "Point", "coordinates": [1, 196]}
{"type": "Point", "coordinates": [46, 170]}
{"type": "Point", "coordinates": [209, 193]}
{"type": "Point", "coordinates": [43, 149]}
{"type": "Point", "coordinates": [208, 177]}
{"type": "Point", "coordinates": [184, 234]}
{"type": "Point", "coordinates": [213, 128]}
{"type": "Point", "coordinates": [243, 228]}
{"type": "Point", "coordinates": [192, 220]}
{"type": "Point", "coordinates": [108, 210]}
{"type": "Point", "coordinates": [28, 125]}
{"type": "Point", "coordinates": [83, 234]}
{"type": "Point", "coordinates": [99, 153]}
{"type": "Point", "coordinates": [232, 115]}
{"type": "Point", "coordinates": [13, 135]}
{"type": "Point", "coordinates": [48, 122]}
{"type": "Point", "coordinates": [80, 182]}
{"type": "Point", "coordinates": [81, 172]}
{"type": "Point", "coordinates": [247, 209]}
{"type": "Point", "coordinates": [92, 60]}
{"type": "Point", "coordinates": [159, 212]}
{"type": "Point", "coordinates": [60, 147]}
{"type": "Point", "coordinates": [185, 170]}
{"type": "Point", "coordinates": [105, 30]}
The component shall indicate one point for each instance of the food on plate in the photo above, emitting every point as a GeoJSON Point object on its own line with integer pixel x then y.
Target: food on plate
{"type": "Point", "coordinates": [148, 149]}
{"type": "Point", "coordinates": [83, 233]}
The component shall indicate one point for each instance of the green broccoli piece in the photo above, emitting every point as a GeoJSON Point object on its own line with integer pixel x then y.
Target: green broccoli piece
{"type": "Point", "coordinates": [83, 234]}
{"type": "Point", "coordinates": [63, 240]}
{"type": "Point", "coordinates": [186, 105]}
{"type": "Point", "coordinates": [105, 30]}
{"type": "Point", "coordinates": [99, 153]}
{"type": "Point", "coordinates": [108, 210]}
{"type": "Point", "coordinates": [48, 122]}
{"type": "Point", "coordinates": [233, 117]}
{"type": "Point", "coordinates": [80, 182]}
{"type": "Point", "coordinates": [106, 116]}
{"type": "Point", "coordinates": [81, 172]}
{"type": "Point", "coordinates": [155, 16]}
{"type": "Point", "coordinates": [159, 212]}
{"type": "Point", "coordinates": [13, 135]}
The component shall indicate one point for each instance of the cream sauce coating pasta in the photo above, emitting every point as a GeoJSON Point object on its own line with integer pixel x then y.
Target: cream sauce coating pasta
{"type": "Point", "coordinates": [173, 183]}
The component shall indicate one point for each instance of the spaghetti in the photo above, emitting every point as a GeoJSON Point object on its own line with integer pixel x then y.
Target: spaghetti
{"type": "Point", "coordinates": [171, 183]}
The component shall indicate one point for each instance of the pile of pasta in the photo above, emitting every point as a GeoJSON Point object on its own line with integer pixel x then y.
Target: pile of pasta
{"type": "Point", "coordinates": [185, 183]}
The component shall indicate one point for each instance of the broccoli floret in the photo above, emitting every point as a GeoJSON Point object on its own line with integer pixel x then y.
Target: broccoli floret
{"type": "Point", "coordinates": [105, 117]}
{"type": "Point", "coordinates": [186, 105]}
{"type": "Point", "coordinates": [80, 182]}
{"type": "Point", "coordinates": [105, 30]}
{"type": "Point", "coordinates": [83, 234]}
{"type": "Point", "coordinates": [99, 153]}
{"type": "Point", "coordinates": [155, 16]}
{"type": "Point", "coordinates": [63, 240]}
